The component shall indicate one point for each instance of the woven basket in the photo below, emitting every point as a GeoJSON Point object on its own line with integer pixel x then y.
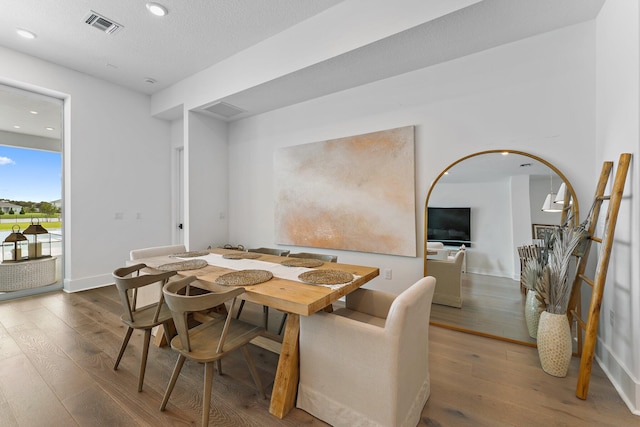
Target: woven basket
{"type": "Point", "coordinates": [242, 255]}
{"type": "Point", "coordinates": [326, 277]}
{"type": "Point", "coordinates": [27, 274]}
{"type": "Point", "coordinates": [190, 254]}
{"type": "Point", "coordinates": [244, 278]}
{"type": "Point", "coordinates": [192, 264]}
{"type": "Point", "coordinates": [302, 262]}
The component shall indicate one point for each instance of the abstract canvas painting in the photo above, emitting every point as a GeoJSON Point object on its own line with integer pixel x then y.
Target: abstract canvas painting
{"type": "Point", "coordinates": [355, 193]}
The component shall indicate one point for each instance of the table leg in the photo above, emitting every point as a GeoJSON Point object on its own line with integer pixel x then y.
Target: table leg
{"type": "Point", "coordinates": [285, 385]}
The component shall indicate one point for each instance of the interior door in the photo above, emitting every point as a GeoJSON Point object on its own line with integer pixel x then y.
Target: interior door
{"type": "Point", "coordinates": [179, 205]}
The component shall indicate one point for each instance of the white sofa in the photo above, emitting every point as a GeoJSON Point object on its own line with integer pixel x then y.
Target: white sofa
{"type": "Point", "coordinates": [368, 364]}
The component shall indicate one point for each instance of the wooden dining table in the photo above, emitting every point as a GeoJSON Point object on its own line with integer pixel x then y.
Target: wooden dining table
{"type": "Point", "coordinates": [290, 296]}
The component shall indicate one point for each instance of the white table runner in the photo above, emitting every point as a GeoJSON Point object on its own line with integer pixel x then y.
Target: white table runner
{"type": "Point", "coordinates": [278, 270]}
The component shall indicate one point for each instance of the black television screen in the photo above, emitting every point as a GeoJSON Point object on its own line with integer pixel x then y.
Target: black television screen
{"type": "Point", "coordinates": [451, 226]}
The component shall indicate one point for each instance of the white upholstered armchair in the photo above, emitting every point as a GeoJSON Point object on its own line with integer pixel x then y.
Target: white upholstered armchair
{"type": "Point", "coordinates": [448, 273]}
{"type": "Point", "coordinates": [368, 364]}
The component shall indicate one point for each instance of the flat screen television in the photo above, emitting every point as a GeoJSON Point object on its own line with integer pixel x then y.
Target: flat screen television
{"type": "Point", "coordinates": [451, 226]}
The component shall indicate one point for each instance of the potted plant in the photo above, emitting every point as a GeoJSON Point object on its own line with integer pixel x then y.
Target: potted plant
{"type": "Point", "coordinates": [554, 290]}
{"type": "Point", "coordinates": [532, 274]}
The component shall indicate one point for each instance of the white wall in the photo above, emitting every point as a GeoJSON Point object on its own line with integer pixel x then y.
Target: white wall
{"type": "Point", "coordinates": [618, 131]}
{"type": "Point", "coordinates": [502, 215]}
{"type": "Point", "coordinates": [116, 160]}
{"type": "Point", "coordinates": [536, 95]}
{"type": "Point", "coordinates": [491, 242]}
{"type": "Point", "coordinates": [206, 180]}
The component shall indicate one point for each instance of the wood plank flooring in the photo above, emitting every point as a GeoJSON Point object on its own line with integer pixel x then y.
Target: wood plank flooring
{"type": "Point", "coordinates": [57, 352]}
{"type": "Point", "coordinates": [491, 306]}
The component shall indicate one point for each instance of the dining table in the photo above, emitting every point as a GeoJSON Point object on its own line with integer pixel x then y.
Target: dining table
{"type": "Point", "coordinates": [284, 291]}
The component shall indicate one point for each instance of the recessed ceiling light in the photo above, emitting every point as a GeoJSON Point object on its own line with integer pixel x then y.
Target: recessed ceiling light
{"type": "Point", "coordinates": [25, 33]}
{"type": "Point", "coordinates": [33, 112]}
{"type": "Point", "coordinates": [16, 127]}
{"type": "Point", "coordinates": [505, 153]}
{"type": "Point", "coordinates": [49, 128]}
{"type": "Point", "coordinates": [157, 9]}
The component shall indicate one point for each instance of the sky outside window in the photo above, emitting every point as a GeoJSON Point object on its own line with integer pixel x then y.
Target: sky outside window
{"type": "Point", "coordinates": [30, 175]}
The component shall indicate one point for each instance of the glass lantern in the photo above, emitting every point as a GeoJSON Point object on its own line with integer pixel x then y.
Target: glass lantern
{"type": "Point", "coordinates": [15, 247]}
{"type": "Point", "coordinates": [39, 240]}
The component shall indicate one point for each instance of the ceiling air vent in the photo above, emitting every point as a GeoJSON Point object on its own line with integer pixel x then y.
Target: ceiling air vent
{"type": "Point", "coordinates": [223, 109]}
{"type": "Point", "coordinates": [100, 22]}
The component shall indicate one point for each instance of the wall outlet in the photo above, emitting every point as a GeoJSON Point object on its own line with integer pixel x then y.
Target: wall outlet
{"type": "Point", "coordinates": [387, 273]}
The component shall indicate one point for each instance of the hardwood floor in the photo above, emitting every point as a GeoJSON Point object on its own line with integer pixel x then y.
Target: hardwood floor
{"type": "Point", "coordinates": [57, 352]}
{"type": "Point", "coordinates": [491, 306]}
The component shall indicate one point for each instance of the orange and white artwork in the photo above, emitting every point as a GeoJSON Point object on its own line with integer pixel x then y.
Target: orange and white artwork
{"type": "Point", "coordinates": [355, 193]}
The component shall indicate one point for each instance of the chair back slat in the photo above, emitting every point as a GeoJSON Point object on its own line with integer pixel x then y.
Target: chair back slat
{"type": "Point", "coordinates": [225, 328]}
{"type": "Point", "coordinates": [126, 282]}
{"type": "Point", "coordinates": [177, 298]}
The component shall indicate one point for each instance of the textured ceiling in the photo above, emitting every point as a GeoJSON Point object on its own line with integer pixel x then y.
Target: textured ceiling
{"type": "Point", "coordinates": [194, 35]}
{"type": "Point", "coordinates": [199, 33]}
{"type": "Point", "coordinates": [481, 26]}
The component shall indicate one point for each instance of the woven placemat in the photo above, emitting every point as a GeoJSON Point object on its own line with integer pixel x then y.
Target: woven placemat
{"type": "Point", "coordinates": [302, 262]}
{"type": "Point", "coordinates": [189, 254]}
{"type": "Point", "coordinates": [243, 255]}
{"type": "Point", "coordinates": [326, 277]}
{"type": "Point", "coordinates": [191, 264]}
{"type": "Point", "coordinates": [244, 278]}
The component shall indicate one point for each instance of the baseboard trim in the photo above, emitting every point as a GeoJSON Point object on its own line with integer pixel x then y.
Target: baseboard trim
{"type": "Point", "coordinates": [627, 387]}
{"type": "Point", "coordinates": [86, 283]}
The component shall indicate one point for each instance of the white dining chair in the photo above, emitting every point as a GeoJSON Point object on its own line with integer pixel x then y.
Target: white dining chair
{"type": "Point", "coordinates": [149, 295]}
{"type": "Point", "coordinates": [368, 364]}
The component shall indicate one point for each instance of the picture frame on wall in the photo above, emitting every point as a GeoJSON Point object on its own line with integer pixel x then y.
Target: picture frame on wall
{"type": "Point", "coordinates": [540, 231]}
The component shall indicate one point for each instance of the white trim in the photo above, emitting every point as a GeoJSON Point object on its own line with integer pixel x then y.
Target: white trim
{"type": "Point", "coordinates": [627, 387]}
{"type": "Point", "coordinates": [86, 283]}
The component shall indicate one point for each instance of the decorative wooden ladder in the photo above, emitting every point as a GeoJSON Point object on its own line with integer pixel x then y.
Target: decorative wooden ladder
{"type": "Point", "coordinates": [590, 328]}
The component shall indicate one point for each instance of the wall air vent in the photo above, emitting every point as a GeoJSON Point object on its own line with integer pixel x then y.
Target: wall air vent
{"type": "Point", "coordinates": [223, 109]}
{"type": "Point", "coordinates": [103, 24]}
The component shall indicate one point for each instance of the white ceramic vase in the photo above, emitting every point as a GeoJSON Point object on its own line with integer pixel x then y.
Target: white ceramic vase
{"type": "Point", "coordinates": [554, 343]}
{"type": "Point", "coordinates": [532, 313]}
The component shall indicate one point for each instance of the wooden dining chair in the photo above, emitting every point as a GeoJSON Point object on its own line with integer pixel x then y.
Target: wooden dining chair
{"type": "Point", "coordinates": [208, 342]}
{"type": "Point", "coordinates": [128, 282]}
{"type": "Point", "coordinates": [270, 251]}
{"type": "Point", "coordinates": [150, 294]}
{"type": "Point", "coordinates": [323, 257]}
{"type": "Point", "coordinates": [265, 309]}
